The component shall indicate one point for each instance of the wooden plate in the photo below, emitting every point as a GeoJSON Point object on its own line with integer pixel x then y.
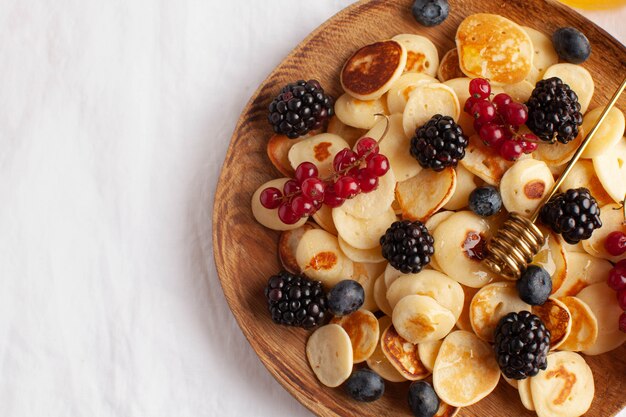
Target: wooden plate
{"type": "Point", "coordinates": [245, 251]}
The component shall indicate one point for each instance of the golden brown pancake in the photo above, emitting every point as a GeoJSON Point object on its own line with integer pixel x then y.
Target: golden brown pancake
{"type": "Point", "coordinates": [449, 67]}
{"type": "Point", "coordinates": [402, 355]}
{"type": "Point", "coordinates": [371, 70]}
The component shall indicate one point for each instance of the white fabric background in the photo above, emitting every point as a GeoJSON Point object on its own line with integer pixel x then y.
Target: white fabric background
{"type": "Point", "coordinates": [115, 117]}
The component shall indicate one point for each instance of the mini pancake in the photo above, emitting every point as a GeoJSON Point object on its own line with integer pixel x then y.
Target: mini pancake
{"type": "Point", "coordinates": [612, 217]}
{"type": "Point", "coordinates": [512, 382]}
{"type": "Point", "coordinates": [395, 147]}
{"type": "Point", "coordinates": [466, 370]}
{"type": "Point", "coordinates": [428, 353]}
{"type": "Point", "coordinates": [524, 185]}
{"type": "Point", "coordinates": [525, 395]}
{"type": "Point", "coordinates": [348, 133]}
{"type": "Point", "coordinates": [268, 217]}
{"type": "Point", "coordinates": [602, 301]}
{"type": "Point", "coordinates": [402, 355]}
{"type": "Point", "coordinates": [366, 274]}
{"type": "Point", "coordinates": [494, 47]}
{"type": "Point", "coordinates": [436, 219]}
{"type": "Point", "coordinates": [552, 258]}
{"type": "Point", "coordinates": [565, 388]}
{"type": "Point", "coordinates": [433, 284]}
{"type": "Point", "coordinates": [611, 170]}
{"type": "Point", "coordinates": [610, 133]}
{"type": "Point", "coordinates": [490, 304]}
{"type": "Point", "coordinates": [422, 55]}
{"type": "Point", "coordinates": [520, 91]}
{"type": "Point", "coordinates": [360, 114]}
{"type": "Point", "coordinates": [380, 296]}
{"type": "Point", "coordinates": [320, 257]}
{"type": "Point", "coordinates": [426, 101]}
{"type": "Point", "coordinates": [558, 320]}
{"type": "Point", "coordinates": [579, 80]}
{"type": "Point", "coordinates": [559, 153]}
{"type": "Point", "coordinates": [545, 55]}
{"type": "Point", "coordinates": [324, 218]}
{"type": "Point", "coordinates": [319, 150]}
{"type": "Point", "coordinates": [464, 322]}
{"type": "Point", "coordinates": [446, 410]}
{"type": "Point", "coordinates": [278, 150]}
{"type": "Point", "coordinates": [466, 182]}
{"type": "Point", "coordinates": [582, 270]}
{"type": "Point", "coordinates": [584, 325]}
{"type": "Point", "coordinates": [362, 328]}
{"type": "Point", "coordinates": [288, 244]}
{"type": "Point", "coordinates": [362, 233]}
{"type": "Point", "coordinates": [460, 244]}
{"type": "Point", "coordinates": [374, 203]}
{"type": "Point", "coordinates": [484, 162]}
{"type": "Point", "coordinates": [584, 175]}
{"type": "Point", "coordinates": [401, 90]}
{"type": "Point", "coordinates": [378, 362]}
{"type": "Point", "coordinates": [420, 319]}
{"type": "Point", "coordinates": [449, 67]}
{"type": "Point", "coordinates": [361, 255]}
{"type": "Point", "coordinates": [371, 70]}
{"type": "Point", "coordinates": [329, 352]}
{"type": "Point", "coordinates": [390, 275]}
{"type": "Point", "coordinates": [423, 195]}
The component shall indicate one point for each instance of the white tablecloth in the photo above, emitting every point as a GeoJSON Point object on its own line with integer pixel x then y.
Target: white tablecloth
{"type": "Point", "coordinates": [115, 117]}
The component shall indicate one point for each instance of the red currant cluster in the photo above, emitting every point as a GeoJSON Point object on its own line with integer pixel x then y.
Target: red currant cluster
{"type": "Point", "coordinates": [355, 172]}
{"type": "Point", "coordinates": [498, 121]}
{"type": "Point", "coordinates": [617, 281]}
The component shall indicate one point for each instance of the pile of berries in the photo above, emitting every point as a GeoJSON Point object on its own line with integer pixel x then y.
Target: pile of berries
{"type": "Point", "coordinates": [617, 281]}
{"type": "Point", "coordinates": [355, 172]}
{"type": "Point", "coordinates": [498, 121]}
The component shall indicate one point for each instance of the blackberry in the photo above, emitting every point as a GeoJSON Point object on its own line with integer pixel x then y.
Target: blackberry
{"type": "Point", "coordinates": [522, 344]}
{"type": "Point", "coordinates": [574, 214]}
{"type": "Point", "coordinates": [295, 300]}
{"type": "Point", "coordinates": [554, 111]}
{"type": "Point", "coordinates": [299, 108]}
{"type": "Point", "coordinates": [407, 246]}
{"type": "Point", "coordinates": [440, 143]}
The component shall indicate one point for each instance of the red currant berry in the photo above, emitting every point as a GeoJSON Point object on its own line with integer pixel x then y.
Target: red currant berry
{"type": "Point", "coordinates": [305, 170]}
{"type": "Point", "coordinates": [483, 112]}
{"type": "Point", "coordinates": [511, 150]}
{"type": "Point", "coordinates": [621, 299]}
{"type": "Point", "coordinates": [347, 187]}
{"type": "Point", "coordinates": [617, 279]}
{"type": "Point", "coordinates": [344, 159]}
{"type": "Point", "coordinates": [313, 188]}
{"type": "Point", "coordinates": [615, 243]}
{"type": "Point", "coordinates": [515, 114]}
{"type": "Point", "coordinates": [621, 264]}
{"type": "Point", "coordinates": [330, 197]}
{"type": "Point", "coordinates": [501, 100]}
{"type": "Point", "coordinates": [528, 147]}
{"type": "Point", "coordinates": [366, 146]}
{"type": "Point", "coordinates": [480, 88]}
{"type": "Point", "coordinates": [477, 125]}
{"type": "Point", "coordinates": [286, 214]}
{"type": "Point", "coordinates": [622, 322]}
{"type": "Point", "coordinates": [469, 103]}
{"type": "Point", "coordinates": [492, 134]}
{"type": "Point", "coordinates": [367, 181]}
{"type": "Point", "coordinates": [378, 165]}
{"type": "Point", "coordinates": [271, 198]}
{"type": "Point", "coordinates": [291, 187]}
{"type": "Point", "coordinates": [302, 206]}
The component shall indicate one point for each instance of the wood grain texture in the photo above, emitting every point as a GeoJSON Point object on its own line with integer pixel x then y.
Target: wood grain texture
{"type": "Point", "coordinates": [245, 251]}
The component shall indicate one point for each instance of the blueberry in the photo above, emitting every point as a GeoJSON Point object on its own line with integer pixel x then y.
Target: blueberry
{"type": "Point", "coordinates": [535, 285]}
{"type": "Point", "coordinates": [430, 12]}
{"type": "Point", "coordinates": [423, 400]}
{"type": "Point", "coordinates": [571, 45]}
{"type": "Point", "coordinates": [365, 385]}
{"type": "Point", "coordinates": [485, 201]}
{"type": "Point", "coordinates": [346, 297]}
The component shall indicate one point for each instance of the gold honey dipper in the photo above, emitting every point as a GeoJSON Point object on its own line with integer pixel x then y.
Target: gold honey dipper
{"type": "Point", "coordinates": [518, 240]}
